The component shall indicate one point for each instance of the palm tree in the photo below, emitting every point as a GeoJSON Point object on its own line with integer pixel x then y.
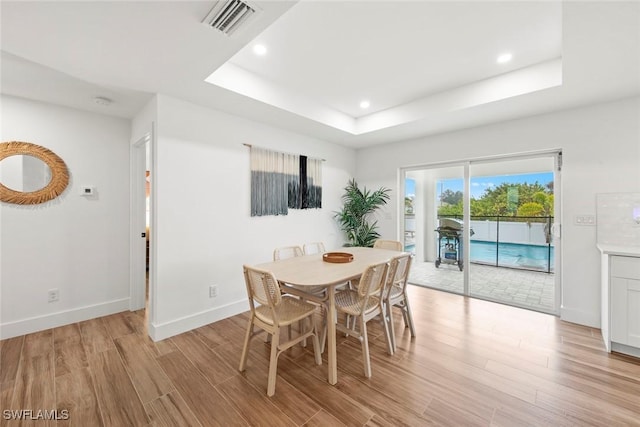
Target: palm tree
{"type": "Point", "coordinates": [353, 218]}
{"type": "Point", "coordinates": [408, 205]}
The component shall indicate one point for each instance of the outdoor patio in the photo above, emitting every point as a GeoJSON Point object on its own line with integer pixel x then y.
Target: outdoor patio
{"type": "Point", "coordinates": [529, 289]}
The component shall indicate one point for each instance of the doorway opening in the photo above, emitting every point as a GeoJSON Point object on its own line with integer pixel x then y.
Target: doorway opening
{"type": "Point", "coordinates": [486, 228]}
{"type": "Point", "coordinates": [142, 267]}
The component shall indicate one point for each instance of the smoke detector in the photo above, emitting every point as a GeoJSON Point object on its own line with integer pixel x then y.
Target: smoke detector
{"type": "Point", "coordinates": [101, 100]}
{"type": "Point", "coordinates": [228, 16]}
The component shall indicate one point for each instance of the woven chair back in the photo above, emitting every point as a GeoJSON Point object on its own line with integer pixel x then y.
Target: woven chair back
{"type": "Point", "coordinates": [287, 252]}
{"type": "Point", "coordinates": [372, 280]}
{"type": "Point", "coordinates": [399, 268]}
{"type": "Point", "coordinates": [392, 245]}
{"type": "Point", "coordinates": [314, 248]}
{"type": "Point", "coordinates": [262, 287]}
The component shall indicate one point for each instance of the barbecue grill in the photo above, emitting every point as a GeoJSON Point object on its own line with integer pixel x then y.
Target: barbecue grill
{"type": "Point", "coordinates": [450, 242]}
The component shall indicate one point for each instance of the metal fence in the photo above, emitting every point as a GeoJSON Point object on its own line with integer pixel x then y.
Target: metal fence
{"type": "Point", "coordinates": [519, 242]}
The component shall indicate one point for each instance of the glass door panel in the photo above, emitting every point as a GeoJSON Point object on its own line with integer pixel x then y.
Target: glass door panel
{"type": "Point", "coordinates": [433, 215]}
{"type": "Point", "coordinates": [511, 248]}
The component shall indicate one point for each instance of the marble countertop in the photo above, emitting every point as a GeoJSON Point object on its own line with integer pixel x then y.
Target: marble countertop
{"type": "Point", "coordinates": [619, 250]}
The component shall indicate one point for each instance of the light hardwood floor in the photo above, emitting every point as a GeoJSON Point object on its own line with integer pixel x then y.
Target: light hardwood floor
{"type": "Point", "coordinates": [472, 363]}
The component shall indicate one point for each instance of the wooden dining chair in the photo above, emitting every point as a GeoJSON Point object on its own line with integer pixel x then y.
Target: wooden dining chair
{"type": "Point", "coordinates": [363, 304]}
{"type": "Point", "coordinates": [396, 294]}
{"type": "Point", "coordinates": [316, 293]}
{"type": "Point", "coordinates": [287, 252]}
{"type": "Point", "coordinates": [270, 310]}
{"type": "Point", "coordinates": [393, 245]}
{"type": "Point", "coordinates": [314, 248]}
{"type": "Point", "coordinates": [296, 251]}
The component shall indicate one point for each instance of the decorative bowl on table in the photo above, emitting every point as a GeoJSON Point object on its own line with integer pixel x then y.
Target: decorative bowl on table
{"type": "Point", "coordinates": [337, 257]}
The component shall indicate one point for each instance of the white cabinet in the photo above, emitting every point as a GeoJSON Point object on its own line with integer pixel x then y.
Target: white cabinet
{"type": "Point", "coordinates": [620, 310]}
{"type": "Point", "coordinates": [624, 291]}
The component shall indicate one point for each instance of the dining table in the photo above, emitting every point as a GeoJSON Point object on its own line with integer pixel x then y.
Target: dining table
{"type": "Point", "coordinates": [313, 271]}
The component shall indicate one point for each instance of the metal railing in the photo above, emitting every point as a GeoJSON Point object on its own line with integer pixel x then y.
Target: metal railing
{"type": "Point", "coordinates": [510, 245]}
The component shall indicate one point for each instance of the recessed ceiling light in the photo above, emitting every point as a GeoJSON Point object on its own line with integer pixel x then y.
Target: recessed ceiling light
{"type": "Point", "coordinates": [101, 100]}
{"type": "Point", "coordinates": [260, 49]}
{"type": "Point", "coordinates": [365, 104]}
{"type": "Point", "coordinates": [504, 58]}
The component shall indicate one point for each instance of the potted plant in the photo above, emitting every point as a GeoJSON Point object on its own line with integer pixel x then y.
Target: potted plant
{"type": "Point", "coordinates": [354, 216]}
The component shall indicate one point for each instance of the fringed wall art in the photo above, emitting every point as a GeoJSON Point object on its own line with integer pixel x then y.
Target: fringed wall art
{"type": "Point", "coordinates": [282, 181]}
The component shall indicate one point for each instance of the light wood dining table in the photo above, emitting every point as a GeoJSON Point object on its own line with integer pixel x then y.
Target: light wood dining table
{"type": "Point", "coordinates": [312, 271]}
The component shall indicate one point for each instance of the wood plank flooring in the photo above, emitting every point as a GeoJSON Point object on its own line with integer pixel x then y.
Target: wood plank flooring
{"type": "Point", "coordinates": [473, 363]}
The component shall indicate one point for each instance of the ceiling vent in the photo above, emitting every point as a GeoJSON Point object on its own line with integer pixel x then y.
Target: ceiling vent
{"type": "Point", "coordinates": [228, 16]}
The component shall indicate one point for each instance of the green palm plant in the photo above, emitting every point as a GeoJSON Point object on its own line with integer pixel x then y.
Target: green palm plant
{"type": "Point", "coordinates": [357, 206]}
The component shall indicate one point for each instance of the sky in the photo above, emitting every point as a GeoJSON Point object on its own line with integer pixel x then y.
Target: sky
{"type": "Point", "coordinates": [480, 184]}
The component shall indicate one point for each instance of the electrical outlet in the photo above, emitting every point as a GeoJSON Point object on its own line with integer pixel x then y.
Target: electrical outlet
{"type": "Point", "coordinates": [213, 291]}
{"type": "Point", "coordinates": [53, 295]}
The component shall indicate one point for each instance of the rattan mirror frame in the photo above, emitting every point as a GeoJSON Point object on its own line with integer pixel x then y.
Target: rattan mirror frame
{"type": "Point", "coordinates": [59, 174]}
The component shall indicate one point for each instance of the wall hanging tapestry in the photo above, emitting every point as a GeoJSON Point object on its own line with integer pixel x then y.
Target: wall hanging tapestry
{"type": "Point", "coordinates": [282, 181]}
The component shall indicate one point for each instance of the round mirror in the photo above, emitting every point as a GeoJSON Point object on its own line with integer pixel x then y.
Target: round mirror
{"type": "Point", "coordinates": [24, 173]}
{"type": "Point", "coordinates": [31, 174]}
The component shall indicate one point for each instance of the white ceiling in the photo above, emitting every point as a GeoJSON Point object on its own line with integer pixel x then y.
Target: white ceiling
{"type": "Point", "coordinates": [426, 66]}
{"type": "Point", "coordinates": [393, 53]}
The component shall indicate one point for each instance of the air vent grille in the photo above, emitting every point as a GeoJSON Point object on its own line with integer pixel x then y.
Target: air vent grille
{"type": "Point", "coordinates": [228, 16]}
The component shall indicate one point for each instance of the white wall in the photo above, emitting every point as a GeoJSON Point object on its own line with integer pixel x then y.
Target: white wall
{"type": "Point", "coordinates": [601, 149]}
{"type": "Point", "coordinates": [76, 244]}
{"type": "Point", "coordinates": [204, 232]}
{"type": "Point", "coordinates": [510, 232]}
{"type": "Point", "coordinates": [142, 122]}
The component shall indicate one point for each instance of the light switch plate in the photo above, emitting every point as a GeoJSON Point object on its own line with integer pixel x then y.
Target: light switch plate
{"type": "Point", "coordinates": [585, 220]}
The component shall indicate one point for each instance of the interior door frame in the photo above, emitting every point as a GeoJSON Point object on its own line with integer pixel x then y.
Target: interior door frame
{"type": "Point", "coordinates": [137, 226]}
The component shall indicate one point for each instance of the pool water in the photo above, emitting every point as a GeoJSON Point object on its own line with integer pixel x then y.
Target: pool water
{"type": "Point", "coordinates": [515, 255]}
{"type": "Point", "coordinates": [535, 257]}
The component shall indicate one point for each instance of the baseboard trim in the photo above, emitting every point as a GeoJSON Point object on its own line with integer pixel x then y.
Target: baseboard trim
{"type": "Point", "coordinates": [580, 317]}
{"type": "Point", "coordinates": [621, 348]}
{"type": "Point", "coordinates": [160, 331]}
{"type": "Point", "coordinates": [61, 318]}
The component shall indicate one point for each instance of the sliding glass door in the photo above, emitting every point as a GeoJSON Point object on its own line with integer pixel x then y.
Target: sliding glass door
{"type": "Point", "coordinates": [512, 257]}
{"type": "Point", "coordinates": [485, 228]}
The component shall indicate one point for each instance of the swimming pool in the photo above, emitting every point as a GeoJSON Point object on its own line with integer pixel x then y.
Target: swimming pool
{"type": "Point", "coordinates": [534, 257]}
{"type": "Point", "coordinates": [513, 255]}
